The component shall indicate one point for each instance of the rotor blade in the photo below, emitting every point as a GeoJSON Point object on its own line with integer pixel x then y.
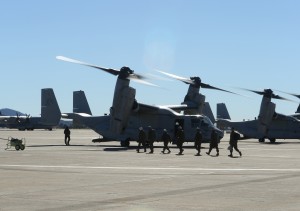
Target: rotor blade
{"type": "Point", "coordinates": [293, 94]}
{"type": "Point", "coordinates": [207, 86]}
{"type": "Point", "coordinates": [250, 90]}
{"type": "Point", "coordinates": [136, 76]}
{"type": "Point", "coordinates": [157, 77]}
{"type": "Point", "coordinates": [185, 80]}
{"type": "Point", "coordinates": [280, 98]}
{"type": "Point", "coordinates": [143, 82]}
{"type": "Point", "coordinates": [272, 96]}
{"type": "Point", "coordinates": [108, 70]}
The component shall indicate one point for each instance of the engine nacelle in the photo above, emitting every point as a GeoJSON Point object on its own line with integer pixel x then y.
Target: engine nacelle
{"type": "Point", "coordinates": [193, 97]}
{"type": "Point", "coordinates": [122, 106]}
{"type": "Point", "coordinates": [265, 117]}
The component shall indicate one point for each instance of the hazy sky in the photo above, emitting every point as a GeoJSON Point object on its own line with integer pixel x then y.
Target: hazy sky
{"type": "Point", "coordinates": [250, 44]}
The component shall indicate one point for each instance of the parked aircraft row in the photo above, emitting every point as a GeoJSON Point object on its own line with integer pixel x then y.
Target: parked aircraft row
{"type": "Point", "coordinates": [127, 114]}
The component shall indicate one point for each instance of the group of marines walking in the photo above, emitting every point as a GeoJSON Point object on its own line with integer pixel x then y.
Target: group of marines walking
{"type": "Point", "coordinates": [149, 139]}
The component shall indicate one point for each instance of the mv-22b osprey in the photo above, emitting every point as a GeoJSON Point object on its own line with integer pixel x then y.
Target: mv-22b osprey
{"type": "Point", "coordinates": [194, 101]}
{"type": "Point", "coordinates": [127, 115]}
{"type": "Point", "coordinates": [269, 124]}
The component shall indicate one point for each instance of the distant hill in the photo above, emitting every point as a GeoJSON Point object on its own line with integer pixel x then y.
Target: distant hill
{"type": "Point", "coordinates": [10, 112]}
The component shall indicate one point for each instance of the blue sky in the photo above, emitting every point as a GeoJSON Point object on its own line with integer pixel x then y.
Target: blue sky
{"type": "Point", "coordinates": [250, 44]}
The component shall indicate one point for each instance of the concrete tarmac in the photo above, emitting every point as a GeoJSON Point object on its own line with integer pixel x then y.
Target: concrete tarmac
{"type": "Point", "coordinates": [48, 175]}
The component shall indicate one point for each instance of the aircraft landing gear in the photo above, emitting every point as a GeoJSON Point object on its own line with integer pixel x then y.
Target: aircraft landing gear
{"type": "Point", "coordinates": [272, 140]}
{"type": "Point", "coordinates": [125, 143]}
{"type": "Point", "coordinates": [261, 140]}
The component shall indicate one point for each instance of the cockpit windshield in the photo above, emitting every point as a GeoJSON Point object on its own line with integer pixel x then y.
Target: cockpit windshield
{"type": "Point", "coordinates": [201, 122]}
{"type": "Point", "coordinates": [207, 120]}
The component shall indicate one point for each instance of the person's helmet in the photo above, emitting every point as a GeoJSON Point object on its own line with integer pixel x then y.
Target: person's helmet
{"type": "Point", "coordinates": [165, 130]}
{"type": "Point", "coordinates": [197, 128]}
{"type": "Point", "coordinates": [140, 128]}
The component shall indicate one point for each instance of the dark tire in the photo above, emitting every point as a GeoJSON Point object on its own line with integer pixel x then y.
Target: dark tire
{"type": "Point", "coordinates": [261, 140]}
{"type": "Point", "coordinates": [17, 147]}
{"type": "Point", "coordinates": [22, 147]}
{"type": "Point", "coordinates": [272, 140]}
{"type": "Point", "coordinates": [125, 143]}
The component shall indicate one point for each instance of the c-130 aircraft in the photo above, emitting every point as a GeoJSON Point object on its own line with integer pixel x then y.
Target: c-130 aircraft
{"type": "Point", "coordinates": [127, 115]}
{"type": "Point", "coordinates": [50, 115]}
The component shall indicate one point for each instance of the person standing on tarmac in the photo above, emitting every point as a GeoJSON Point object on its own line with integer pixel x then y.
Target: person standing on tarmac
{"type": "Point", "coordinates": [198, 141]}
{"type": "Point", "coordinates": [151, 138]}
{"type": "Point", "coordinates": [214, 142]}
{"type": "Point", "coordinates": [142, 140]}
{"type": "Point", "coordinates": [67, 133]}
{"type": "Point", "coordinates": [166, 138]}
{"type": "Point", "coordinates": [180, 137]}
{"type": "Point", "coordinates": [234, 137]}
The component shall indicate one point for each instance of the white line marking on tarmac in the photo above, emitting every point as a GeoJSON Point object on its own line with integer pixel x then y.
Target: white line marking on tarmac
{"type": "Point", "coordinates": [267, 156]}
{"type": "Point", "coordinates": [152, 168]}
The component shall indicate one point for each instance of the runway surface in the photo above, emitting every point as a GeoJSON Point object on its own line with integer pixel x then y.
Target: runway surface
{"type": "Point", "coordinates": [48, 175]}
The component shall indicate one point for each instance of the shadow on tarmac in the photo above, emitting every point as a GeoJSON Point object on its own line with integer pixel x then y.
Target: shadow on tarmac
{"type": "Point", "coordinates": [61, 145]}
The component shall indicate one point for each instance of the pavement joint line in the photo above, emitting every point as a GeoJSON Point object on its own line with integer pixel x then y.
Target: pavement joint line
{"type": "Point", "coordinates": [153, 168]}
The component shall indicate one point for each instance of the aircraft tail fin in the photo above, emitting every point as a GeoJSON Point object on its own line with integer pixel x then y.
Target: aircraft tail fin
{"type": "Point", "coordinates": [298, 109]}
{"type": "Point", "coordinates": [50, 112]}
{"type": "Point", "coordinates": [80, 103]}
{"type": "Point", "coordinates": [208, 112]}
{"type": "Point", "coordinates": [222, 112]}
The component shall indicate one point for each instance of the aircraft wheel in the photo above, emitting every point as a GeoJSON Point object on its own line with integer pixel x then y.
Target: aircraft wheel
{"type": "Point", "coordinates": [125, 143]}
{"type": "Point", "coordinates": [22, 147]}
{"type": "Point", "coordinates": [272, 140]}
{"type": "Point", "coordinates": [17, 147]}
{"type": "Point", "coordinates": [261, 140]}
